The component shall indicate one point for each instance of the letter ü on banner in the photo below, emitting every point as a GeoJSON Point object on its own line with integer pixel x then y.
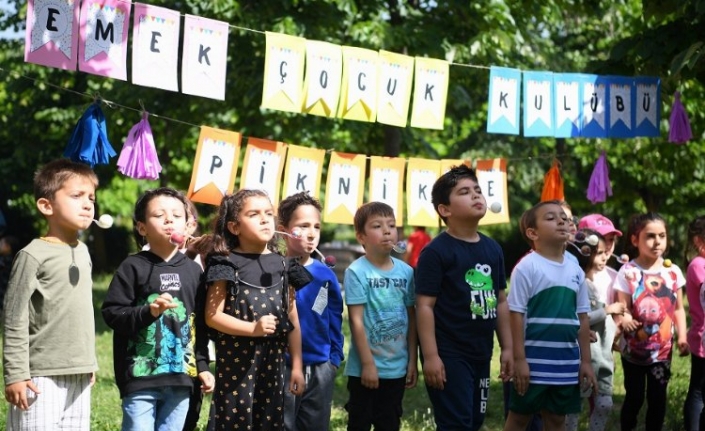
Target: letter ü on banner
{"type": "Point", "coordinates": [344, 187]}
{"type": "Point", "coordinates": [303, 170]}
{"type": "Point", "coordinates": [215, 166]}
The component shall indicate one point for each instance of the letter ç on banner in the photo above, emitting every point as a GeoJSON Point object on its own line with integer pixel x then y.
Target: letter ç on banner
{"type": "Point", "coordinates": [421, 174]}
{"type": "Point", "coordinates": [303, 170]}
{"type": "Point", "coordinates": [344, 187]}
{"type": "Point", "coordinates": [155, 47]}
{"type": "Point", "coordinates": [51, 38]}
{"type": "Point", "coordinates": [284, 72]}
{"type": "Point", "coordinates": [215, 166]}
{"type": "Point", "coordinates": [102, 48]}
{"type": "Point", "coordinates": [492, 176]}
{"type": "Point", "coordinates": [263, 166]}
{"type": "Point", "coordinates": [205, 56]}
{"type": "Point", "coordinates": [387, 183]}
{"type": "Point", "coordinates": [430, 93]}
{"type": "Point", "coordinates": [396, 74]}
{"type": "Point", "coordinates": [504, 100]}
{"type": "Point", "coordinates": [358, 96]}
{"type": "Point", "coordinates": [324, 72]}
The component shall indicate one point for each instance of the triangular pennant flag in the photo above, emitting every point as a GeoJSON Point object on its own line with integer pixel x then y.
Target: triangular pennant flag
{"type": "Point", "coordinates": [89, 142]}
{"type": "Point", "coordinates": [138, 158]}
{"type": "Point", "coordinates": [680, 131]}
{"type": "Point", "coordinates": [599, 186]}
{"type": "Point", "coordinates": [553, 184]}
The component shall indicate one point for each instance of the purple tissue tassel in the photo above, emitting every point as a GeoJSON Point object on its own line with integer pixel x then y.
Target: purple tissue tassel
{"type": "Point", "coordinates": [599, 186]}
{"type": "Point", "coordinates": [138, 158]}
{"type": "Point", "coordinates": [679, 132]}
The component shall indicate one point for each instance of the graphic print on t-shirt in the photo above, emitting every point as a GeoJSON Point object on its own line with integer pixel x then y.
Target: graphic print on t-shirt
{"type": "Point", "coordinates": [483, 301]}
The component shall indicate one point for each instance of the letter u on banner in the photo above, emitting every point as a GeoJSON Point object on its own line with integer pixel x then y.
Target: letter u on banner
{"type": "Point", "coordinates": [263, 165]}
{"type": "Point", "coordinates": [215, 166]}
{"type": "Point", "coordinates": [303, 171]}
{"type": "Point", "coordinates": [538, 104]}
{"type": "Point", "coordinates": [387, 182]}
{"type": "Point", "coordinates": [421, 174]}
{"type": "Point", "coordinates": [492, 176]}
{"type": "Point", "coordinates": [344, 187]}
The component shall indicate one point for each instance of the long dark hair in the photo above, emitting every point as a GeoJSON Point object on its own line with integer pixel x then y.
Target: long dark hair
{"type": "Point", "coordinates": [696, 228]}
{"type": "Point", "coordinates": [223, 240]}
{"type": "Point", "coordinates": [636, 225]}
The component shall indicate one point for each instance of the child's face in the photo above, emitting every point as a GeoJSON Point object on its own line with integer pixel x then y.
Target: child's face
{"type": "Point", "coordinates": [551, 225]}
{"type": "Point", "coordinates": [466, 201]}
{"type": "Point", "coordinates": [73, 205]}
{"type": "Point", "coordinates": [601, 256]}
{"type": "Point", "coordinates": [306, 220]}
{"type": "Point", "coordinates": [380, 234]}
{"type": "Point", "coordinates": [651, 241]}
{"type": "Point", "coordinates": [256, 222]}
{"type": "Point", "coordinates": [610, 241]}
{"type": "Point", "coordinates": [163, 215]}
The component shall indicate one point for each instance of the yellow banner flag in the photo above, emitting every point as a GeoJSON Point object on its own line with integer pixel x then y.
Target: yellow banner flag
{"type": "Point", "coordinates": [430, 93]}
{"type": "Point", "coordinates": [358, 97]}
{"type": "Point", "coordinates": [492, 178]}
{"type": "Point", "coordinates": [303, 170]}
{"type": "Point", "coordinates": [396, 73]}
{"type": "Point", "coordinates": [421, 174]}
{"type": "Point", "coordinates": [324, 72]}
{"type": "Point", "coordinates": [344, 187]}
{"type": "Point", "coordinates": [283, 72]}
{"type": "Point", "coordinates": [387, 183]}
{"type": "Point", "coordinates": [215, 166]}
{"type": "Point", "coordinates": [263, 165]}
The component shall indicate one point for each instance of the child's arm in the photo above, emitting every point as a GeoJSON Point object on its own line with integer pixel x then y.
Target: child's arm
{"type": "Point", "coordinates": [627, 323]}
{"type": "Point", "coordinates": [227, 324]}
{"type": "Point", "coordinates": [335, 322]}
{"type": "Point", "coordinates": [370, 378]}
{"type": "Point", "coordinates": [433, 369]}
{"type": "Point", "coordinates": [412, 370]}
{"type": "Point", "coordinates": [521, 367]}
{"type": "Point", "coordinates": [207, 381]}
{"type": "Point", "coordinates": [504, 335]}
{"type": "Point", "coordinates": [681, 325]}
{"type": "Point", "coordinates": [586, 371]}
{"type": "Point", "coordinates": [297, 384]}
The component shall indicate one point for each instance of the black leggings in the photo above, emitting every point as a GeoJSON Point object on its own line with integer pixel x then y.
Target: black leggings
{"type": "Point", "coordinates": [638, 380]}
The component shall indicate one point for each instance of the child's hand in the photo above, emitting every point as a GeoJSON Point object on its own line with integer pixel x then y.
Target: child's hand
{"type": "Point", "coordinates": [297, 383]}
{"type": "Point", "coordinates": [630, 325]}
{"type": "Point", "coordinates": [265, 325]}
{"type": "Point", "coordinates": [506, 365]}
{"type": "Point", "coordinates": [207, 382]}
{"type": "Point", "coordinates": [617, 308]}
{"type": "Point", "coordinates": [593, 336]}
{"type": "Point", "coordinates": [92, 379]}
{"type": "Point", "coordinates": [370, 378]}
{"type": "Point", "coordinates": [521, 376]}
{"type": "Point", "coordinates": [434, 372]}
{"type": "Point", "coordinates": [588, 375]}
{"type": "Point", "coordinates": [16, 393]}
{"type": "Point", "coordinates": [161, 304]}
{"type": "Point", "coordinates": [412, 375]}
{"type": "Point", "coordinates": [683, 348]}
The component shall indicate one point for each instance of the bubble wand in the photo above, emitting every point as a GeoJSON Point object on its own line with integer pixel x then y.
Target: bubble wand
{"type": "Point", "coordinates": [296, 233]}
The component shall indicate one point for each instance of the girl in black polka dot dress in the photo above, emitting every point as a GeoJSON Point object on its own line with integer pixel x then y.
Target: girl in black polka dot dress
{"type": "Point", "coordinates": [251, 309]}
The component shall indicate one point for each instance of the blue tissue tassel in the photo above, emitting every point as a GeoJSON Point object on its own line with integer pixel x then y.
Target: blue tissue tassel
{"type": "Point", "coordinates": [89, 142]}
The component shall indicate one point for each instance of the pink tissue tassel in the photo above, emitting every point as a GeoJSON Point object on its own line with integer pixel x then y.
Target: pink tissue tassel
{"type": "Point", "coordinates": [599, 186]}
{"type": "Point", "coordinates": [680, 131]}
{"type": "Point", "coordinates": [138, 158]}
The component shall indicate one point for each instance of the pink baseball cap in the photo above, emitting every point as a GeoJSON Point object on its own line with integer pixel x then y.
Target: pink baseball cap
{"type": "Point", "coordinates": [598, 223]}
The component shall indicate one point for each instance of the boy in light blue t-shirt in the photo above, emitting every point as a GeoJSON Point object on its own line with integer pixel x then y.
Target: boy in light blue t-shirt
{"type": "Point", "coordinates": [379, 293]}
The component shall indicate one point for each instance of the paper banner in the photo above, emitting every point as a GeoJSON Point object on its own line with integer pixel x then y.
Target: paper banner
{"type": "Point", "coordinates": [421, 174]}
{"type": "Point", "coordinates": [446, 164]}
{"type": "Point", "coordinates": [303, 170]}
{"type": "Point", "coordinates": [647, 106]}
{"type": "Point", "coordinates": [387, 183]}
{"type": "Point", "coordinates": [51, 38]}
{"type": "Point", "coordinates": [396, 73]}
{"type": "Point", "coordinates": [283, 72]}
{"type": "Point", "coordinates": [505, 90]}
{"type": "Point", "coordinates": [594, 106]}
{"type": "Point", "coordinates": [621, 107]}
{"type": "Point", "coordinates": [430, 93]}
{"type": "Point", "coordinates": [538, 104]}
{"type": "Point", "coordinates": [215, 166]}
{"type": "Point", "coordinates": [205, 56]}
{"type": "Point", "coordinates": [358, 96]}
{"type": "Point", "coordinates": [492, 178]}
{"type": "Point", "coordinates": [155, 47]}
{"type": "Point", "coordinates": [344, 187]}
{"type": "Point", "coordinates": [263, 166]}
{"type": "Point", "coordinates": [324, 71]}
{"type": "Point", "coordinates": [566, 90]}
{"type": "Point", "coordinates": [102, 49]}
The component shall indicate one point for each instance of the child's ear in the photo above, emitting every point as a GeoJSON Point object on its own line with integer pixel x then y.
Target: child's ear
{"type": "Point", "coordinates": [233, 228]}
{"type": "Point", "coordinates": [360, 236]}
{"type": "Point", "coordinates": [532, 234]}
{"type": "Point", "coordinates": [141, 229]}
{"type": "Point", "coordinates": [443, 211]}
{"type": "Point", "coordinates": [44, 206]}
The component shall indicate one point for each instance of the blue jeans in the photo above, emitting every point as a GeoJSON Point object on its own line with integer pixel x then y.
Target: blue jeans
{"type": "Point", "coordinates": [158, 409]}
{"type": "Point", "coordinates": [693, 420]}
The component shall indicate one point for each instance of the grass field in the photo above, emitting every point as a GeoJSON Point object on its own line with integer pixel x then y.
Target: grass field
{"type": "Point", "coordinates": [106, 413]}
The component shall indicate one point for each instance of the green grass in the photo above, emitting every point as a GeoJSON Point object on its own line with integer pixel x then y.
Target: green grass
{"type": "Point", "coordinates": [106, 413]}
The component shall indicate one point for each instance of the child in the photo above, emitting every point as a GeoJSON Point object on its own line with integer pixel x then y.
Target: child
{"type": "Point", "coordinates": [460, 303]}
{"type": "Point", "coordinates": [157, 347]}
{"type": "Point", "coordinates": [49, 332]}
{"type": "Point", "coordinates": [591, 251]}
{"type": "Point", "coordinates": [252, 310]}
{"type": "Point", "coordinates": [548, 302]}
{"type": "Point", "coordinates": [9, 244]}
{"type": "Point", "coordinates": [693, 418]}
{"type": "Point", "coordinates": [320, 308]}
{"type": "Point", "coordinates": [651, 290]}
{"type": "Point", "coordinates": [379, 293]}
{"type": "Point", "coordinates": [417, 241]}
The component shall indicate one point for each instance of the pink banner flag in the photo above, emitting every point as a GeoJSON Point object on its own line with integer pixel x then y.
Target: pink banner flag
{"type": "Point", "coordinates": [51, 38]}
{"type": "Point", "coordinates": [102, 48]}
{"type": "Point", "coordinates": [205, 57]}
{"type": "Point", "coordinates": [155, 47]}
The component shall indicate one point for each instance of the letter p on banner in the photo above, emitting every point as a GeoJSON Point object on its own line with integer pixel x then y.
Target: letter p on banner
{"type": "Point", "coordinates": [215, 166]}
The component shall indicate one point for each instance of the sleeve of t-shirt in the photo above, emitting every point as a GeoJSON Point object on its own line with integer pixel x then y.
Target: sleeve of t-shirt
{"type": "Point", "coordinates": [620, 283]}
{"type": "Point", "coordinates": [680, 279]}
{"type": "Point", "coordinates": [429, 273]}
{"type": "Point", "coordinates": [583, 305]}
{"type": "Point", "coordinates": [410, 299]}
{"type": "Point", "coordinates": [119, 309]}
{"type": "Point", "coordinates": [519, 286]}
{"type": "Point", "coordinates": [355, 290]}
{"type": "Point", "coordinates": [695, 278]}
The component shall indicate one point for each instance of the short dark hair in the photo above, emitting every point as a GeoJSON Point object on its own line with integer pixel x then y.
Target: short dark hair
{"type": "Point", "coordinates": [529, 221]}
{"type": "Point", "coordinates": [51, 177]}
{"type": "Point", "coordinates": [440, 194]}
{"type": "Point", "coordinates": [368, 210]}
{"type": "Point", "coordinates": [288, 206]}
{"type": "Point", "coordinates": [140, 214]}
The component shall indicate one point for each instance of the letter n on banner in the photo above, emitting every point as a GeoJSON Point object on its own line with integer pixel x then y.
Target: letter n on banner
{"type": "Point", "coordinates": [492, 176]}
{"type": "Point", "coordinates": [51, 38]}
{"type": "Point", "coordinates": [421, 174]}
{"type": "Point", "coordinates": [215, 166]}
{"type": "Point", "coordinates": [387, 183]}
{"type": "Point", "coordinates": [303, 170]}
{"type": "Point", "coordinates": [263, 165]}
{"type": "Point", "coordinates": [344, 187]}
